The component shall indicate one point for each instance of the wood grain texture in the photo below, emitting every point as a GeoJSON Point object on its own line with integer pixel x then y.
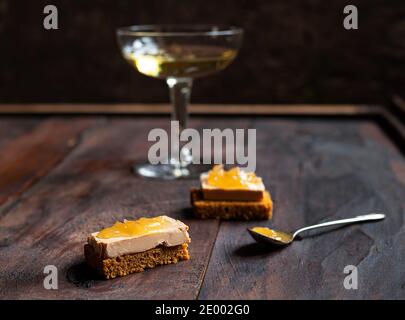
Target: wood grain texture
{"type": "Point", "coordinates": [206, 109]}
{"type": "Point", "coordinates": [11, 127]}
{"type": "Point", "coordinates": [316, 169]}
{"type": "Point", "coordinates": [91, 189]}
{"type": "Point", "coordinates": [30, 148]}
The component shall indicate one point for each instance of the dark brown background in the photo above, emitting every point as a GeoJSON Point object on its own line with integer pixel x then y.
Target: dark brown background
{"type": "Point", "coordinates": [293, 51]}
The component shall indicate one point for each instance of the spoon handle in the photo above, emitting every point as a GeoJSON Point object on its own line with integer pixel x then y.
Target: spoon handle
{"type": "Point", "coordinates": [367, 217]}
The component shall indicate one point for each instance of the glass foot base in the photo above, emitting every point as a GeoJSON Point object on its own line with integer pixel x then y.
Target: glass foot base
{"type": "Point", "coordinates": [169, 171]}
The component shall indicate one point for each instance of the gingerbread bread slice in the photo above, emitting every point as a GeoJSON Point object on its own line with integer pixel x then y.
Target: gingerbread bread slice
{"type": "Point", "coordinates": [123, 265]}
{"type": "Point", "coordinates": [231, 210]}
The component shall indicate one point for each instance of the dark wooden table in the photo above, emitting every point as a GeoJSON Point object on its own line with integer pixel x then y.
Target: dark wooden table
{"type": "Point", "coordinates": [64, 176]}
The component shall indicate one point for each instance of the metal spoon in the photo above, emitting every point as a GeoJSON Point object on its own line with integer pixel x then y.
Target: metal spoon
{"type": "Point", "coordinates": [281, 238]}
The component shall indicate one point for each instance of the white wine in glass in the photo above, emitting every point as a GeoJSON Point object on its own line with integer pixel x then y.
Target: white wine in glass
{"type": "Point", "coordinates": [180, 61]}
{"type": "Point", "coordinates": [178, 54]}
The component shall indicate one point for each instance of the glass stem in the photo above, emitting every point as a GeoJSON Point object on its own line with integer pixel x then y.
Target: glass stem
{"type": "Point", "coordinates": [180, 91]}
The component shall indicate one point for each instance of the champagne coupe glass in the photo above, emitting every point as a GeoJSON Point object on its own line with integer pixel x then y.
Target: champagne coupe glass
{"type": "Point", "coordinates": [178, 54]}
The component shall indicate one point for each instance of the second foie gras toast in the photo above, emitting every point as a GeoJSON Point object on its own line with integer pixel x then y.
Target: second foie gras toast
{"type": "Point", "coordinates": [232, 194]}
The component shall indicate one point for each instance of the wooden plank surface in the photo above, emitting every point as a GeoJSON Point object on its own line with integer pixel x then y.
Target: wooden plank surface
{"type": "Point", "coordinates": [316, 169]}
{"type": "Point", "coordinates": [91, 189]}
{"type": "Point", "coordinates": [130, 108]}
{"type": "Point", "coordinates": [12, 127]}
{"type": "Point", "coordinates": [30, 148]}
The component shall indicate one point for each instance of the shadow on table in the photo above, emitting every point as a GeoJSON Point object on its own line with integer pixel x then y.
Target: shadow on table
{"type": "Point", "coordinates": [81, 275]}
{"type": "Point", "coordinates": [256, 249]}
{"type": "Point", "coordinates": [187, 213]}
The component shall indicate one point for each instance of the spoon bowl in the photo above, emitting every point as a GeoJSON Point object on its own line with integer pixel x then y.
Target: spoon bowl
{"type": "Point", "coordinates": [271, 237]}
